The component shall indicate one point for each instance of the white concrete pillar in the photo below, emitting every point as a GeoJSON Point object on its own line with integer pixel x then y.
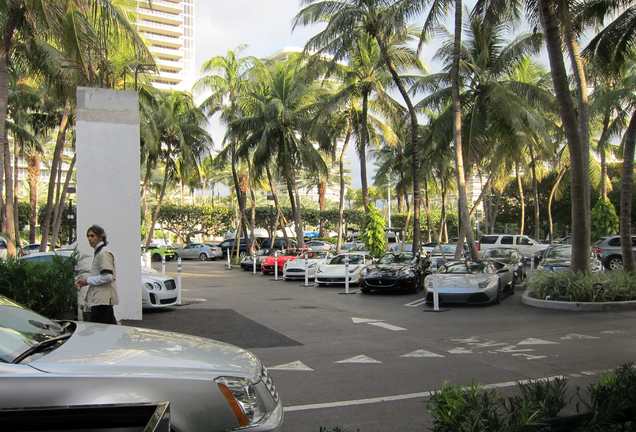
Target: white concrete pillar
{"type": "Point", "coordinates": [108, 177]}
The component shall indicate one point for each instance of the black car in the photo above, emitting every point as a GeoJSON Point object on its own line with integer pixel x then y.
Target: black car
{"type": "Point", "coordinates": [226, 245]}
{"type": "Point", "coordinates": [395, 271]}
{"type": "Point", "coordinates": [247, 263]}
{"type": "Point", "coordinates": [279, 244]}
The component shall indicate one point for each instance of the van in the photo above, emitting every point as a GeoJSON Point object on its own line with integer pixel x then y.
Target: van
{"type": "Point", "coordinates": [525, 245]}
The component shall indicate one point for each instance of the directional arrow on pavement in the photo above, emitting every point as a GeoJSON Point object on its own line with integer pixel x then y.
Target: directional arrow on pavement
{"type": "Point", "coordinates": [535, 341]}
{"type": "Point", "coordinates": [293, 366]}
{"type": "Point", "coordinates": [364, 320]}
{"type": "Point", "coordinates": [422, 354]}
{"type": "Point", "coordinates": [460, 350]}
{"type": "Point", "coordinates": [578, 336]}
{"type": "Point", "coordinates": [360, 359]}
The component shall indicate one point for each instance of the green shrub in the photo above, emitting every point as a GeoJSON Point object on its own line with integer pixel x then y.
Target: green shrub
{"type": "Point", "coordinates": [472, 409]}
{"type": "Point", "coordinates": [583, 287]}
{"type": "Point", "coordinates": [374, 235]}
{"type": "Point", "coordinates": [46, 288]}
{"type": "Point", "coordinates": [604, 219]}
{"type": "Point", "coordinates": [613, 401]}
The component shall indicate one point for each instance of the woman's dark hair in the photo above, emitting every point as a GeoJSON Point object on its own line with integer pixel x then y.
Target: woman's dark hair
{"type": "Point", "coordinates": [98, 231]}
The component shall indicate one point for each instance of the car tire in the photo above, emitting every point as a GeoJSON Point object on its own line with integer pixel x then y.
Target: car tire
{"type": "Point", "coordinates": [365, 290]}
{"type": "Point", "coordinates": [498, 297]}
{"type": "Point", "coordinates": [203, 257]}
{"type": "Point", "coordinates": [155, 257]}
{"type": "Point", "coordinates": [615, 263]}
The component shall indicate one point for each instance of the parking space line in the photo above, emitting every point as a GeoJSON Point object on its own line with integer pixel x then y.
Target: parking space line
{"type": "Point", "coordinates": [392, 398]}
{"type": "Point", "coordinates": [416, 302]}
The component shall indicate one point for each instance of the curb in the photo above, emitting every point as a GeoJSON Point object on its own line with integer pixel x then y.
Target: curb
{"type": "Point", "coordinates": [577, 306]}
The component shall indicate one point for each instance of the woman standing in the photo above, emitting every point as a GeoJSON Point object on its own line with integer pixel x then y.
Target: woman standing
{"type": "Point", "coordinates": [101, 294]}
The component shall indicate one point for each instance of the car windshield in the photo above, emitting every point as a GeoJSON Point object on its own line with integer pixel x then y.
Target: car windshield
{"type": "Point", "coordinates": [446, 249]}
{"type": "Point", "coordinates": [353, 259]}
{"type": "Point", "coordinates": [21, 329]}
{"type": "Point", "coordinates": [464, 268]}
{"type": "Point", "coordinates": [559, 253]}
{"type": "Point", "coordinates": [400, 258]}
{"type": "Point", "coordinates": [502, 254]}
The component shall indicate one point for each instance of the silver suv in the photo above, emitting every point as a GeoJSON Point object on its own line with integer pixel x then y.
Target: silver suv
{"type": "Point", "coordinates": [609, 250]}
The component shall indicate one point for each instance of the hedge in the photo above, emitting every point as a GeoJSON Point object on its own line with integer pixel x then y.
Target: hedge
{"type": "Point", "coordinates": [583, 287]}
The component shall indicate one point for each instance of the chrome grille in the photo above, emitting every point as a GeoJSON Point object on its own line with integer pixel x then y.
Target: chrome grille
{"type": "Point", "coordinates": [267, 380]}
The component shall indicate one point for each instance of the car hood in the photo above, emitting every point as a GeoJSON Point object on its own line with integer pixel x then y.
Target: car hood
{"type": "Point", "coordinates": [153, 277]}
{"type": "Point", "coordinates": [446, 280]}
{"type": "Point", "coordinates": [338, 269]}
{"type": "Point", "coordinates": [300, 263]}
{"type": "Point", "coordinates": [387, 269]}
{"type": "Point", "coordinates": [556, 262]}
{"type": "Point", "coordinates": [99, 349]}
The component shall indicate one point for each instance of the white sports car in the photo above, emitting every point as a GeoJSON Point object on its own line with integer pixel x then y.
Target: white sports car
{"type": "Point", "coordinates": [333, 271]}
{"type": "Point", "coordinates": [295, 269]}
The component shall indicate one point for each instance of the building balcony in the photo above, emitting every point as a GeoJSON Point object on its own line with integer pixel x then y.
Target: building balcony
{"type": "Point", "coordinates": [169, 64]}
{"type": "Point", "coordinates": [163, 17]}
{"type": "Point", "coordinates": [168, 77]}
{"type": "Point", "coordinates": [174, 7]}
{"type": "Point", "coordinates": [167, 53]}
{"type": "Point", "coordinates": [173, 42]}
{"type": "Point", "coordinates": [164, 29]}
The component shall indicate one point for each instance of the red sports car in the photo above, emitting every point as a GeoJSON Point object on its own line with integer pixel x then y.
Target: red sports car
{"type": "Point", "coordinates": [267, 266]}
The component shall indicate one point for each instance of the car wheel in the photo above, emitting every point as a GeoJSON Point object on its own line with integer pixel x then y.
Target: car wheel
{"type": "Point", "coordinates": [365, 290]}
{"type": "Point", "coordinates": [203, 257]}
{"type": "Point", "coordinates": [156, 257]}
{"type": "Point", "coordinates": [615, 263]}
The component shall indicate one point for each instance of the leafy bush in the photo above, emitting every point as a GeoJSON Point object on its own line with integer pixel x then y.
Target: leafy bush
{"type": "Point", "coordinates": [583, 287]}
{"type": "Point", "coordinates": [613, 401]}
{"type": "Point", "coordinates": [604, 219]}
{"type": "Point", "coordinates": [46, 288]}
{"type": "Point", "coordinates": [471, 409]}
{"type": "Point", "coordinates": [374, 236]}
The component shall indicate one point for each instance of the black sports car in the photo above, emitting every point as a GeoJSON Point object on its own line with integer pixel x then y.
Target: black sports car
{"type": "Point", "coordinates": [395, 271]}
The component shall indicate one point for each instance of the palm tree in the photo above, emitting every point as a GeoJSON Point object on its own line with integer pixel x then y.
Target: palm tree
{"type": "Point", "coordinates": [184, 141]}
{"type": "Point", "coordinates": [346, 22]}
{"type": "Point", "coordinates": [227, 77]}
{"type": "Point", "coordinates": [275, 128]}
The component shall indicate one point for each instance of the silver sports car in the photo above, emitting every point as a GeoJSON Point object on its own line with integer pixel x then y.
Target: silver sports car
{"type": "Point", "coordinates": [470, 282]}
{"type": "Point", "coordinates": [211, 386]}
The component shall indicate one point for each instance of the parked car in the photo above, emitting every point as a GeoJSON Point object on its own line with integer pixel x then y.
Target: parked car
{"type": "Point", "coordinates": [522, 243]}
{"type": "Point", "coordinates": [319, 246]}
{"type": "Point", "coordinates": [200, 251]}
{"type": "Point", "coordinates": [229, 244]}
{"type": "Point", "coordinates": [279, 244]}
{"type": "Point", "coordinates": [158, 251]}
{"type": "Point", "coordinates": [247, 262]}
{"type": "Point", "coordinates": [211, 386]}
{"type": "Point", "coordinates": [609, 251]}
{"type": "Point", "coordinates": [3, 248]}
{"type": "Point", "coordinates": [333, 271]}
{"type": "Point", "coordinates": [442, 254]}
{"type": "Point", "coordinates": [157, 291]}
{"type": "Point", "coordinates": [395, 271]}
{"type": "Point", "coordinates": [30, 248]}
{"type": "Point", "coordinates": [510, 257]}
{"type": "Point", "coordinates": [470, 282]}
{"type": "Point", "coordinates": [270, 262]}
{"type": "Point", "coordinates": [354, 246]}
{"type": "Point", "coordinates": [295, 269]}
{"type": "Point", "coordinates": [558, 258]}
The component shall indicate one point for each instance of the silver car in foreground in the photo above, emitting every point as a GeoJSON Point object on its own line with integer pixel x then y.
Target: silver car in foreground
{"type": "Point", "coordinates": [211, 386]}
{"type": "Point", "coordinates": [470, 282]}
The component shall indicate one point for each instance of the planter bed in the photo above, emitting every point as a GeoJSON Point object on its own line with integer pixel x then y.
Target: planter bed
{"type": "Point", "coordinates": [577, 306]}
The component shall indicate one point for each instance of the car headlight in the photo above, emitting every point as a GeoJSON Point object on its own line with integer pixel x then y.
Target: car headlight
{"type": "Point", "coordinates": [157, 286]}
{"type": "Point", "coordinates": [484, 284]}
{"type": "Point", "coordinates": [148, 286]}
{"type": "Point", "coordinates": [243, 399]}
{"type": "Point", "coordinates": [406, 274]}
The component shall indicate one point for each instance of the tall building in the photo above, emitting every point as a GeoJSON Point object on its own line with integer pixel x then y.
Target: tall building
{"type": "Point", "coordinates": [167, 26]}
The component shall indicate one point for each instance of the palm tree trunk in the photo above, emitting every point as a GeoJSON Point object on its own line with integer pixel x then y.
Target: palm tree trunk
{"type": "Point", "coordinates": [580, 179]}
{"type": "Point", "coordinates": [155, 213]}
{"type": "Point", "coordinates": [33, 171]}
{"type": "Point", "coordinates": [362, 151]}
{"type": "Point", "coordinates": [280, 216]}
{"type": "Point", "coordinates": [535, 192]}
{"type": "Point", "coordinates": [322, 189]}
{"type": "Point", "coordinates": [602, 142]}
{"type": "Point", "coordinates": [55, 163]}
{"type": "Point", "coordinates": [298, 216]}
{"type": "Point", "coordinates": [237, 185]}
{"type": "Point", "coordinates": [399, 203]}
{"type": "Point", "coordinates": [342, 190]}
{"type": "Point", "coordinates": [551, 200]}
{"type": "Point", "coordinates": [464, 217]}
{"type": "Point", "coordinates": [62, 205]}
{"type": "Point", "coordinates": [442, 219]}
{"type": "Point", "coordinates": [8, 202]}
{"type": "Point", "coordinates": [522, 201]}
{"type": "Point", "coordinates": [414, 148]}
{"type": "Point", "coordinates": [627, 183]}
{"type": "Point", "coordinates": [427, 210]}
{"type": "Point", "coordinates": [16, 208]}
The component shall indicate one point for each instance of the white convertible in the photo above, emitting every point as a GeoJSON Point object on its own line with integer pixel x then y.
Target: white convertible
{"type": "Point", "coordinates": [333, 272]}
{"type": "Point", "coordinates": [295, 269]}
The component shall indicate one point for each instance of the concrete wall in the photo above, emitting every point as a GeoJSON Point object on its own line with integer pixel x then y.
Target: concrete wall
{"type": "Point", "coordinates": [107, 144]}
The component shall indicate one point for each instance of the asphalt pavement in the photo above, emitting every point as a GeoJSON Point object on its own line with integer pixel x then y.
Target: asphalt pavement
{"type": "Point", "coordinates": [370, 362]}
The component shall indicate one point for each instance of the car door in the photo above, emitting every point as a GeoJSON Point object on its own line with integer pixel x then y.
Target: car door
{"type": "Point", "coordinates": [507, 241]}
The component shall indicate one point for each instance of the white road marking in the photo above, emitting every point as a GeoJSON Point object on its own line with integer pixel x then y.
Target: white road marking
{"type": "Point", "coordinates": [416, 303]}
{"type": "Point", "coordinates": [575, 375]}
{"type": "Point", "coordinates": [572, 336]}
{"type": "Point", "coordinates": [460, 350]}
{"type": "Point", "coordinates": [535, 341]}
{"type": "Point", "coordinates": [471, 339]}
{"type": "Point", "coordinates": [488, 344]}
{"type": "Point", "coordinates": [530, 356]}
{"type": "Point", "coordinates": [360, 359]}
{"type": "Point", "coordinates": [422, 353]}
{"type": "Point", "coordinates": [588, 373]}
{"type": "Point", "coordinates": [364, 320]}
{"type": "Point", "coordinates": [392, 398]}
{"type": "Point", "coordinates": [513, 349]}
{"type": "Point", "coordinates": [387, 326]}
{"type": "Point", "coordinates": [293, 366]}
{"type": "Point", "coordinates": [613, 332]}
